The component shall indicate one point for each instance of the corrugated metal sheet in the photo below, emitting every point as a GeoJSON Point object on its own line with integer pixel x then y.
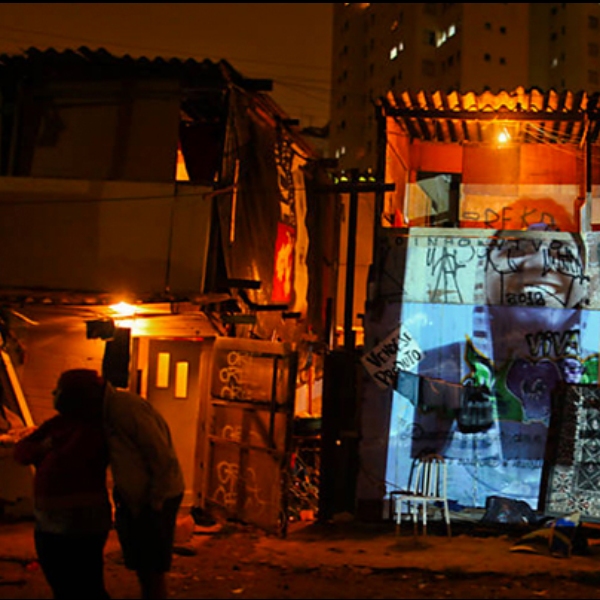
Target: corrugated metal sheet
{"type": "Point", "coordinates": [533, 116]}
{"type": "Point", "coordinates": [85, 63]}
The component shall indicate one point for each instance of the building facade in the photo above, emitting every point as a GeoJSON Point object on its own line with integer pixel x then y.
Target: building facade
{"type": "Point", "coordinates": [467, 47]}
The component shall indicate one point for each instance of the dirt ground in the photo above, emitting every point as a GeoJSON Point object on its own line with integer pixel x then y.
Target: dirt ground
{"type": "Point", "coordinates": [332, 560]}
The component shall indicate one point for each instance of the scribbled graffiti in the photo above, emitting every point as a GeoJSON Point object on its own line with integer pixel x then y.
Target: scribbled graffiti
{"type": "Point", "coordinates": [234, 434]}
{"type": "Point", "coordinates": [512, 313]}
{"type": "Point", "coordinates": [533, 272]}
{"type": "Point", "coordinates": [227, 490]}
{"type": "Point", "coordinates": [554, 343]}
{"type": "Point", "coordinates": [444, 265]}
{"type": "Point", "coordinates": [537, 272]}
{"type": "Point", "coordinates": [231, 376]}
{"type": "Point", "coordinates": [510, 217]}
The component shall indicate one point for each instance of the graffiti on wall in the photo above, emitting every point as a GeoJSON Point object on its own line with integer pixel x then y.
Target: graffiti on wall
{"type": "Point", "coordinates": [501, 320]}
{"type": "Point", "coordinates": [574, 454]}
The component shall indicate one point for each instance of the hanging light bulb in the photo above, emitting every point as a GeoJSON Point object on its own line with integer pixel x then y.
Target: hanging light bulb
{"type": "Point", "coordinates": [503, 136]}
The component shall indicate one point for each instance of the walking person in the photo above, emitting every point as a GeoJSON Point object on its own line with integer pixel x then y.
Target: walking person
{"type": "Point", "coordinates": [71, 504]}
{"type": "Point", "coordinates": [148, 484]}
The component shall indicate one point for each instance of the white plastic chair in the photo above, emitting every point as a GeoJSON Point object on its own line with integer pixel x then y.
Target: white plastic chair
{"type": "Point", "coordinates": [427, 484]}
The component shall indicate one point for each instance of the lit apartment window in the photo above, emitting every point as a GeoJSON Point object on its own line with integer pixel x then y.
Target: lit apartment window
{"type": "Point", "coordinates": [554, 63]}
{"type": "Point", "coordinates": [401, 46]}
{"type": "Point", "coordinates": [451, 30]}
{"type": "Point", "coordinates": [394, 53]}
{"type": "Point", "coordinates": [394, 26]}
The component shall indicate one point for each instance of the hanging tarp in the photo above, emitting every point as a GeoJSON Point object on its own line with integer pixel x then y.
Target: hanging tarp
{"type": "Point", "coordinates": [263, 210]}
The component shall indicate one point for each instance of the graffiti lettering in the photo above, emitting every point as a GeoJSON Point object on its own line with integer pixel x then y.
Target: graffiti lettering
{"type": "Point", "coordinates": [231, 377]}
{"type": "Point", "coordinates": [387, 376]}
{"type": "Point", "coordinates": [397, 351]}
{"type": "Point", "coordinates": [226, 492]}
{"type": "Point", "coordinates": [525, 299]}
{"type": "Point", "coordinates": [508, 218]}
{"type": "Point", "coordinates": [554, 343]}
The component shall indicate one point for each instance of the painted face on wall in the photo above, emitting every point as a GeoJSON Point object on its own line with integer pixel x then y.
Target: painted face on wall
{"type": "Point", "coordinates": [525, 271]}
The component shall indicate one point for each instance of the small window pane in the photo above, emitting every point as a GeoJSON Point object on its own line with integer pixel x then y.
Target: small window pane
{"type": "Point", "coordinates": [181, 379]}
{"type": "Point", "coordinates": [162, 369]}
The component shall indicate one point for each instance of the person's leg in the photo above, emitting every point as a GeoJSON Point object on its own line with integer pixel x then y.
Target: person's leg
{"type": "Point", "coordinates": [73, 564]}
{"type": "Point", "coordinates": [50, 549]}
{"type": "Point", "coordinates": [153, 585]}
{"type": "Point", "coordinates": [147, 543]}
{"type": "Point", "coordinates": [87, 560]}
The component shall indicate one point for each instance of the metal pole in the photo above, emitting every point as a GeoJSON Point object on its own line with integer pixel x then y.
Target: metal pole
{"type": "Point", "coordinates": [349, 337]}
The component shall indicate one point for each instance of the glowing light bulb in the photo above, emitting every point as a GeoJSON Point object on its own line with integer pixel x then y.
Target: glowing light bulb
{"type": "Point", "coordinates": [503, 136]}
{"type": "Point", "coordinates": [123, 309]}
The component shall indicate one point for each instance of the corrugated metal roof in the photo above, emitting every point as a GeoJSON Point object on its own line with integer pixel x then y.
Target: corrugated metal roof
{"type": "Point", "coordinates": [534, 116]}
{"type": "Point", "coordinates": [85, 62]}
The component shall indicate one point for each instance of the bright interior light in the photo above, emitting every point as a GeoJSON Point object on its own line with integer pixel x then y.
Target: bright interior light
{"type": "Point", "coordinates": [123, 309]}
{"type": "Point", "coordinates": [503, 136]}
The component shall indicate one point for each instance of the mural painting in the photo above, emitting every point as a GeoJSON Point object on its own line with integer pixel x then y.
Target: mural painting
{"type": "Point", "coordinates": [500, 319]}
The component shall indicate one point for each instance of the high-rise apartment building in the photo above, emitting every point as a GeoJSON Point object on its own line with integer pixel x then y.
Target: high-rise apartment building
{"type": "Point", "coordinates": [451, 46]}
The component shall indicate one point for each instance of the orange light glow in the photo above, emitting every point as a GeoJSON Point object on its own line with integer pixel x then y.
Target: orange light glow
{"type": "Point", "coordinates": [504, 136]}
{"type": "Point", "coordinates": [123, 309]}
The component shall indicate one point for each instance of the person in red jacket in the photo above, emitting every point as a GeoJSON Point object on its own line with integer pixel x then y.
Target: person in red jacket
{"type": "Point", "coordinates": [72, 510]}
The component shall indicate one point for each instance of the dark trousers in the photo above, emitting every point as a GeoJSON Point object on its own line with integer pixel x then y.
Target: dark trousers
{"type": "Point", "coordinates": [73, 564]}
{"type": "Point", "coordinates": [147, 538]}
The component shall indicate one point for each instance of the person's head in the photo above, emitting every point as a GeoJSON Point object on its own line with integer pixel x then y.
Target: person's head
{"type": "Point", "coordinates": [79, 392]}
{"type": "Point", "coordinates": [526, 269]}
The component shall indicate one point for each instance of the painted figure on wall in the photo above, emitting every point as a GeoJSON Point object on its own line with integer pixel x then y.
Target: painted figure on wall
{"type": "Point", "coordinates": [484, 400]}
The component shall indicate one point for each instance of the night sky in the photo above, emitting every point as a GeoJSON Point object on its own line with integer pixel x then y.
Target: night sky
{"type": "Point", "coordinates": [289, 43]}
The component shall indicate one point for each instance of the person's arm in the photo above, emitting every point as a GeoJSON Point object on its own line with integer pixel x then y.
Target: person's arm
{"type": "Point", "coordinates": [31, 449]}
